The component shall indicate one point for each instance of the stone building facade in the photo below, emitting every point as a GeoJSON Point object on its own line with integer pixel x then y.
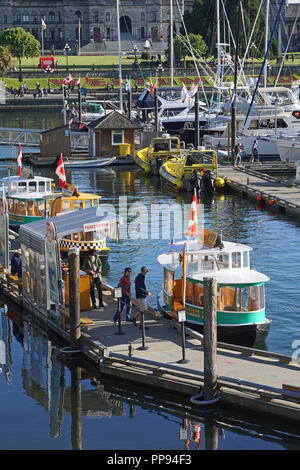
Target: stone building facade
{"type": "Point", "coordinates": [95, 19]}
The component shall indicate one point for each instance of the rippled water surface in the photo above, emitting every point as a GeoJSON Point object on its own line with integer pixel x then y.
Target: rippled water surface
{"type": "Point", "coordinates": [36, 387]}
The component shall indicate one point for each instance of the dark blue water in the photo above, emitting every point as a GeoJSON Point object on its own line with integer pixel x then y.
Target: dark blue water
{"type": "Point", "coordinates": [35, 386]}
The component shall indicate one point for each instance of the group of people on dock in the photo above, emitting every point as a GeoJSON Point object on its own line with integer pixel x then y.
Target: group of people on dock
{"type": "Point", "coordinates": [92, 265]}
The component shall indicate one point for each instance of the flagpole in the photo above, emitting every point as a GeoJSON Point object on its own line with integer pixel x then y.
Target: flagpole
{"type": "Point", "coordinates": [120, 57]}
{"type": "Point", "coordinates": [79, 31]}
{"type": "Point", "coordinates": [42, 40]}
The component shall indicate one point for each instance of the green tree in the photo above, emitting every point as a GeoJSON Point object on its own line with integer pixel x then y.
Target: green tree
{"type": "Point", "coordinates": [182, 48]}
{"type": "Point", "coordinates": [6, 60]}
{"type": "Point", "coordinates": [203, 20]}
{"type": "Point", "coordinates": [21, 43]}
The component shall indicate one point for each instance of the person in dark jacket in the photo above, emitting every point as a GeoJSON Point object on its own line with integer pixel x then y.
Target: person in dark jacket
{"type": "Point", "coordinates": [125, 284]}
{"type": "Point", "coordinates": [92, 265]}
{"type": "Point", "coordinates": [141, 293]}
{"type": "Point", "coordinates": [16, 264]}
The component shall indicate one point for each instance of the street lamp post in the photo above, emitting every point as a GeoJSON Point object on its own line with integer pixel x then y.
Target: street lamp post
{"type": "Point", "coordinates": [158, 70]}
{"type": "Point", "coordinates": [135, 51]}
{"type": "Point", "coordinates": [253, 49]}
{"type": "Point", "coordinates": [48, 70]}
{"type": "Point", "coordinates": [67, 49]}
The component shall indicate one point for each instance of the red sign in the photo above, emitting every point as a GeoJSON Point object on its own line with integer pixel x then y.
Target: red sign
{"type": "Point", "coordinates": [46, 62]}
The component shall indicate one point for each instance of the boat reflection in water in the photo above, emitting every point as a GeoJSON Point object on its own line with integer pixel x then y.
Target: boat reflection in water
{"type": "Point", "coordinates": [106, 414]}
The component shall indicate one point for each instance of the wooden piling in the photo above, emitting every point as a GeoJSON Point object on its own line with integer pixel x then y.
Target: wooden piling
{"type": "Point", "coordinates": [74, 298]}
{"type": "Point", "coordinates": [210, 339]}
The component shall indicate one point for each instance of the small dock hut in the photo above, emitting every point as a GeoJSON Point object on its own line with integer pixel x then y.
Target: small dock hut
{"type": "Point", "coordinates": [41, 256]}
{"type": "Point", "coordinates": [112, 135]}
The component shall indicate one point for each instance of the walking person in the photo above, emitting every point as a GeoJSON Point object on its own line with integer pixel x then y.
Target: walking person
{"type": "Point", "coordinates": [141, 293]}
{"type": "Point", "coordinates": [237, 151]}
{"type": "Point", "coordinates": [125, 284]}
{"type": "Point", "coordinates": [16, 264]}
{"type": "Point", "coordinates": [254, 156]}
{"type": "Point", "coordinates": [92, 265]}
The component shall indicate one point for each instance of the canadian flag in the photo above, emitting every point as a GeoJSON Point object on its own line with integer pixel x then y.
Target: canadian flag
{"type": "Point", "coordinates": [60, 172]}
{"type": "Point", "coordinates": [192, 230]}
{"type": "Point", "coordinates": [68, 79]}
{"type": "Point", "coordinates": [19, 160]}
{"type": "Point", "coordinates": [86, 78]}
{"type": "Point", "coordinates": [153, 88]}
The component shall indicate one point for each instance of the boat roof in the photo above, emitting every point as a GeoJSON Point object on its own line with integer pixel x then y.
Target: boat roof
{"type": "Point", "coordinates": [9, 179]}
{"type": "Point", "coordinates": [193, 246]}
{"type": "Point", "coordinates": [238, 277]}
{"type": "Point", "coordinates": [34, 233]}
{"type": "Point", "coordinates": [80, 196]}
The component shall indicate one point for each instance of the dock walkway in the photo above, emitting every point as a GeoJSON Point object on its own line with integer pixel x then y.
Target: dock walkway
{"type": "Point", "coordinates": [276, 195]}
{"type": "Point", "coordinates": [247, 377]}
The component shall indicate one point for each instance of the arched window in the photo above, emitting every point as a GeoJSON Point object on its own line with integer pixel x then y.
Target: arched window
{"type": "Point", "coordinates": [51, 17]}
{"type": "Point", "coordinates": [107, 17]}
{"type": "Point", "coordinates": [25, 17]}
{"type": "Point", "coordinates": [77, 16]}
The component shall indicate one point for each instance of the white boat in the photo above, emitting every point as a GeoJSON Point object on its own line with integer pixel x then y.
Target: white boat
{"type": "Point", "coordinates": [94, 163]}
{"type": "Point", "coordinates": [241, 316]}
{"type": "Point", "coordinates": [288, 146]}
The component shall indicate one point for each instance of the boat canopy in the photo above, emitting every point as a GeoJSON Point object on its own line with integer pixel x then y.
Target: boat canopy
{"type": "Point", "coordinates": [238, 278]}
{"type": "Point", "coordinates": [93, 219]}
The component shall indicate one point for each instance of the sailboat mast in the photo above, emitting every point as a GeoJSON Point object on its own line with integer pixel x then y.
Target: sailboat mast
{"type": "Point", "coordinates": [171, 44]}
{"type": "Point", "coordinates": [266, 40]}
{"type": "Point", "coordinates": [120, 56]}
{"type": "Point", "coordinates": [218, 49]}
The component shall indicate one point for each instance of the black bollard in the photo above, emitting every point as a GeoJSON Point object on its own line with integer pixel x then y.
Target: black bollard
{"type": "Point", "coordinates": [143, 347]}
{"type": "Point", "coordinates": [181, 319]}
{"type": "Point", "coordinates": [119, 332]}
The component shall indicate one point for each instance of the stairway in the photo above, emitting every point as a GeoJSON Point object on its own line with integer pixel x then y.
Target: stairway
{"type": "Point", "coordinates": [127, 45]}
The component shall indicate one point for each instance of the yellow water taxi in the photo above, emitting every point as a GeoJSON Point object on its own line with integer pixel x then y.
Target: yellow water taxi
{"type": "Point", "coordinates": [71, 200]}
{"type": "Point", "coordinates": [160, 150]}
{"type": "Point", "coordinates": [182, 173]}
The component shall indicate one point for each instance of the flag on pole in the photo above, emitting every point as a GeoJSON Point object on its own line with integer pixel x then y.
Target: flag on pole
{"type": "Point", "coordinates": [184, 93]}
{"type": "Point", "coordinates": [153, 88]}
{"type": "Point", "coordinates": [127, 85]}
{"type": "Point", "coordinates": [44, 26]}
{"type": "Point", "coordinates": [19, 160]}
{"type": "Point", "coordinates": [68, 79]}
{"type": "Point", "coordinates": [86, 78]}
{"type": "Point", "coordinates": [192, 230]}
{"type": "Point", "coordinates": [60, 172]}
{"type": "Point", "coordinates": [77, 81]}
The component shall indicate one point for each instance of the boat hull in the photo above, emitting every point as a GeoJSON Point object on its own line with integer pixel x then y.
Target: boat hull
{"type": "Point", "coordinates": [240, 334]}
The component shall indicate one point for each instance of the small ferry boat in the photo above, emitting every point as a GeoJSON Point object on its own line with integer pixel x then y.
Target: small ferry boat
{"type": "Point", "coordinates": [70, 201]}
{"type": "Point", "coordinates": [241, 316]}
{"type": "Point", "coordinates": [33, 198]}
{"type": "Point", "coordinates": [177, 172]}
{"type": "Point", "coordinates": [160, 150]}
{"type": "Point", "coordinates": [28, 198]}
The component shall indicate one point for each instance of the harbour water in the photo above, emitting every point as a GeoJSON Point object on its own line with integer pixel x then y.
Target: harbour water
{"type": "Point", "coordinates": [36, 386]}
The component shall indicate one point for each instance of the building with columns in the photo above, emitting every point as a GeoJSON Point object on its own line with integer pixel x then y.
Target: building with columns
{"type": "Point", "coordinates": [94, 20]}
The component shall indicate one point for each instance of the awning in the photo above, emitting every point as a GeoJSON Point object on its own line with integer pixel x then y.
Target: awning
{"type": "Point", "coordinates": [106, 223]}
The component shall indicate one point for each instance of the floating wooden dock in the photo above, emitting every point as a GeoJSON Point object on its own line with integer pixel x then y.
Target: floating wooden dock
{"type": "Point", "coordinates": [264, 189]}
{"type": "Point", "coordinates": [254, 380]}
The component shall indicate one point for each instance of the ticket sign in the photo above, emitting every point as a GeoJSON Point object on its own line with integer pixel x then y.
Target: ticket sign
{"type": "Point", "coordinates": [181, 316]}
{"type": "Point", "coordinates": [118, 292]}
{"type": "Point", "coordinates": [95, 226]}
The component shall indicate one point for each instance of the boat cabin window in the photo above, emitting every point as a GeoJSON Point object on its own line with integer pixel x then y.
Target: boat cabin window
{"type": "Point", "coordinates": [41, 186]}
{"type": "Point", "coordinates": [66, 206]}
{"type": "Point", "coordinates": [173, 144]}
{"type": "Point", "coordinates": [246, 259]}
{"type": "Point", "coordinates": [168, 281]}
{"type": "Point", "coordinates": [207, 263]}
{"type": "Point", "coordinates": [88, 203]}
{"type": "Point", "coordinates": [32, 186]}
{"type": "Point", "coordinates": [194, 293]}
{"type": "Point", "coordinates": [161, 146]}
{"type": "Point", "coordinates": [22, 187]}
{"type": "Point", "coordinates": [236, 260]}
{"type": "Point", "coordinates": [241, 299]}
{"type": "Point", "coordinates": [48, 186]}
{"type": "Point", "coordinates": [222, 261]}
{"type": "Point", "coordinates": [12, 187]}
{"type": "Point", "coordinates": [78, 204]}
